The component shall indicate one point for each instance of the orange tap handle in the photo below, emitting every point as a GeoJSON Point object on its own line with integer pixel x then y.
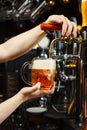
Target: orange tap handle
{"type": "Point", "coordinates": [51, 27]}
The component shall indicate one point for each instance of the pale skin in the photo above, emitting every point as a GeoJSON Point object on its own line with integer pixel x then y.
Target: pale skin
{"type": "Point", "coordinates": [18, 46]}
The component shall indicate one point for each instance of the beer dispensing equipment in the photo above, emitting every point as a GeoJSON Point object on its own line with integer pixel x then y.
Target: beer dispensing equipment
{"type": "Point", "coordinates": [69, 70]}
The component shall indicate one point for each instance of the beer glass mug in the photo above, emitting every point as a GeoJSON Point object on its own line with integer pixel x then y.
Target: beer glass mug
{"type": "Point", "coordinates": [43, 70]}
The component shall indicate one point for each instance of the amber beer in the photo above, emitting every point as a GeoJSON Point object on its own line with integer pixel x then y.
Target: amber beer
{"type": "Point", "coordinates": [43, 71]}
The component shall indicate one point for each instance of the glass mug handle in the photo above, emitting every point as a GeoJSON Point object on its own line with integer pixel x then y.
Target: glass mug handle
{"type": "Point", "coordinates": [24, 66]}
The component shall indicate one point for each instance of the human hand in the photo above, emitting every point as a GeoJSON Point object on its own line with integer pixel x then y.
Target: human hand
{"type": "Point", "coordinates": [68, 27]}
{"type": "Point", "coordinates": [27, 93]}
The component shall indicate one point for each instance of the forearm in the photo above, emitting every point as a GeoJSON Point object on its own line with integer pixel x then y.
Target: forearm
{"type": "Point", "coordinates": [20, 44]}
{"type": "Point", "coordinates": [8, 106]}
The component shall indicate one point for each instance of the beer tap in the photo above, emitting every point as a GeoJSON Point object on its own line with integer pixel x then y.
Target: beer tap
{"type": "Point", "coordinates": [65, 78]}
{"type": "Point", "coordinates": [68, 64]}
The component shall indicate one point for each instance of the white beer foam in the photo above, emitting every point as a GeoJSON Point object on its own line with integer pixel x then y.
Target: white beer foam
{"type": "Point", "coordinates": [44, 64]}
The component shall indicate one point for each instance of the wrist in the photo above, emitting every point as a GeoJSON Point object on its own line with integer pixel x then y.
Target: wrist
{"type": "Point", "coordinates": [19, 97]}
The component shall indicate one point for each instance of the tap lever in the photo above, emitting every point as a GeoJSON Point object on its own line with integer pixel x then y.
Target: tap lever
{"type": "Point", "coordinates": [51, 26]}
